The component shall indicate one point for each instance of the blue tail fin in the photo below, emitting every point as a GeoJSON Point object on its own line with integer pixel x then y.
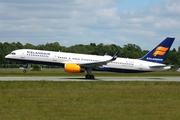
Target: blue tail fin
{"type": "Point", "coordinates": [159, 53]}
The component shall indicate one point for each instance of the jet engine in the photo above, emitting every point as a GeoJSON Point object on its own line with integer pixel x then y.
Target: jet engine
{"type": "Point", "coordinates": [73, 68]}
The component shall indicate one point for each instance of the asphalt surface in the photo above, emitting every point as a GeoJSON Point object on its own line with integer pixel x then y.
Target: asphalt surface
{"type": "Point", "coordinates": [176, 79]}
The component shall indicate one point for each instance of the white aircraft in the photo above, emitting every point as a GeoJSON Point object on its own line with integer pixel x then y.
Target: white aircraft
{"type": "Point", "coordinates": [76, 63]}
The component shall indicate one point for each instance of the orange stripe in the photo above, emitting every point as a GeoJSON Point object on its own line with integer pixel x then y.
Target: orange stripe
{"type": "Point", "coordinates": [158, 53]}
{"type": "Point", "coordinates": [160, 48]}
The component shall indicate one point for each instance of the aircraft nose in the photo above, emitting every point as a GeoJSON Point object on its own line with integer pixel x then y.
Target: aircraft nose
{"type": "Point", "coordinates": [6, 56]}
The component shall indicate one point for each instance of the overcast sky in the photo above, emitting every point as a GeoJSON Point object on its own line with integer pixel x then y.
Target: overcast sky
{"type": "Point", "coordinates": [69, 22]}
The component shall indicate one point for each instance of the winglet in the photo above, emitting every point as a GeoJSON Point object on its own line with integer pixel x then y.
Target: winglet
{"type": "Point", "coordinates": [115, 55]}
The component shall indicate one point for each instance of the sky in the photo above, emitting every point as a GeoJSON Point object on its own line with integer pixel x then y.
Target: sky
{"type": "Point", "coordinates": [69, 22]}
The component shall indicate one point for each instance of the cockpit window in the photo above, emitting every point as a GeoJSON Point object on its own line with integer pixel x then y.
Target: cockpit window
{"type": "Point", "coordinates": [13, 53]}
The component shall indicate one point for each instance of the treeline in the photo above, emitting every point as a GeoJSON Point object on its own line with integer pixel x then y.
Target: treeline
{"type": "Point", "coordinates": [127, 51]}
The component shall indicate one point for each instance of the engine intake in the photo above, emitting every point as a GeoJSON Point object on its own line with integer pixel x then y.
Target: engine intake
{"type": "Point", "coordinates": [73, 68]}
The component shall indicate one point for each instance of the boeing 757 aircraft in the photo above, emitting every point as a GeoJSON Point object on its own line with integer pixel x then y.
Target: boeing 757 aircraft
{"type": "Point", "coordinates": [76, 63]}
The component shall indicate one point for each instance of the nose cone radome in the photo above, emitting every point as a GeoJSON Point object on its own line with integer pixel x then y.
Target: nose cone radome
{"type": "Point", "coordinates": [7, 56]}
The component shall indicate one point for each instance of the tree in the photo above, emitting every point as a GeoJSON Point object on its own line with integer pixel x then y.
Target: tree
{"type": "Point", "coordinates": [131, 51]}
{"type": "Point", "coordinates": [172, 58]}
{"type": "Point", "coordinates": [1, 53]}
{"type": "Point", "coordinates": [100, 49]}
{"type": "Point", "coordinates": [36, 67]}
{"type": "Point", "coordinates": [19, 45]}
{"type": "Point", "coordinates": [52, 46]}
{"type": "Point", "coordinates": [29, 46]}
{"type": "Point", "coordinates": [40, 47]}
{"type": "Point", "coordinates": [13, 46]}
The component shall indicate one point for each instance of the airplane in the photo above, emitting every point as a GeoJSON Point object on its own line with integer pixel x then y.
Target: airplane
{"type": "Point", "coordinates": [76, 63]}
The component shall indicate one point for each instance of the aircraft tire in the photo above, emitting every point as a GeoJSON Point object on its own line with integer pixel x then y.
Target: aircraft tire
{"type": "Point", "coordinates": [24, 71]}
{"type": "Point", "coordinates": [89, 76]}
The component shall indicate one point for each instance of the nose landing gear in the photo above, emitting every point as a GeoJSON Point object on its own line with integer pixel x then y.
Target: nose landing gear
{"type": "Point", "coordinates": [24, 71]}
{"type": "Point", "coordinates": [24, 68]}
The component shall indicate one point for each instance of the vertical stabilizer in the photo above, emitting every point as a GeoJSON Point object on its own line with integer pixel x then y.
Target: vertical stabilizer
{"type": "Point", "coordinates": [159, 53]}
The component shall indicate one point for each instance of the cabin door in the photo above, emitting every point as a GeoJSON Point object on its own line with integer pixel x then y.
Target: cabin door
{"type": "Point", "coordinates": [141, 66]}
{"type": "Point", "coordinates": [55, 58]}
{"type": "Point", "coordinates": [23, 55]}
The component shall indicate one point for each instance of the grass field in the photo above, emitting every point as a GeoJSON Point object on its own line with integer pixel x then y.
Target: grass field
{"type": "Point", "coordinates": [60, 72]}
{"type": "Point", "coordinates": [90, 100]}
{"type": "Point", "coordinates": [97, 100]}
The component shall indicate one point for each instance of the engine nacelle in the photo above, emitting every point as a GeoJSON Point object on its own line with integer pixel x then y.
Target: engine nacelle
{"type": "Point", "coordinates": [73, 68]}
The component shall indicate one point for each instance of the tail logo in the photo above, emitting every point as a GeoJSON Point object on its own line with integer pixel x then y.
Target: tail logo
{"type": "Point", "coordinates": [160, 51]}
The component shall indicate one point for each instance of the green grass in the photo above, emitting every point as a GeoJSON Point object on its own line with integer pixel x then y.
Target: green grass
{"type": "Point", "coordinates": [61, 72]}
{"type": "Point", "coordinates": [89, 100]}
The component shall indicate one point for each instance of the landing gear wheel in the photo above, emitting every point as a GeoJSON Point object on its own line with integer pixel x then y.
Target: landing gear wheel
{"type": "Point", "coordinates": [92, 76]}
{"type": "Point", "coordinates": [25, 66]}
{"type": "Point", "coordinates": [89, 76]}
{"type": "Point", "coordinates": [24, 71]}
{"type": "Point", "coordinates": [89, 73]}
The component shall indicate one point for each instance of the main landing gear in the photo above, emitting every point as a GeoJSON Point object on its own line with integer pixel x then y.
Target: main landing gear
{"type": "Point", "coordinates": [89, 74]}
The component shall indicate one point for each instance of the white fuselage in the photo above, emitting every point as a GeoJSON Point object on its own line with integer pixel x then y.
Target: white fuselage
{"type": "Point", "coordinates": [60, 58]}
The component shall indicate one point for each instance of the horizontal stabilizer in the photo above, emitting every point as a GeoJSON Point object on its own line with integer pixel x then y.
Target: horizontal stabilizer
{"type": "Point", "coordinates": [106, 54]}
{"type": "Point", "coordinates": [160, 66]}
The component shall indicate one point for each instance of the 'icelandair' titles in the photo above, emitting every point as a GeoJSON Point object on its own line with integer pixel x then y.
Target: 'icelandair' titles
{"type": "Point", "coordinates": [38, 53]}
{"type": "Point", "coordinates": [155, 59]}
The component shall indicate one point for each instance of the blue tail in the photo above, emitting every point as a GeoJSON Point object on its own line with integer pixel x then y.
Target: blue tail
{"type": "Point", "coordinates": [159, 53]}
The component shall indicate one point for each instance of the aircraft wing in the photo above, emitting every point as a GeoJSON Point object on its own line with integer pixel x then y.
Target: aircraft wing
{"type": "Point", "coordinates": [100, 63]}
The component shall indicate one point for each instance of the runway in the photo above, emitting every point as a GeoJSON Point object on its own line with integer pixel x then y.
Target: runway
{"type": "Point", "coordinates": [175, 79]}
